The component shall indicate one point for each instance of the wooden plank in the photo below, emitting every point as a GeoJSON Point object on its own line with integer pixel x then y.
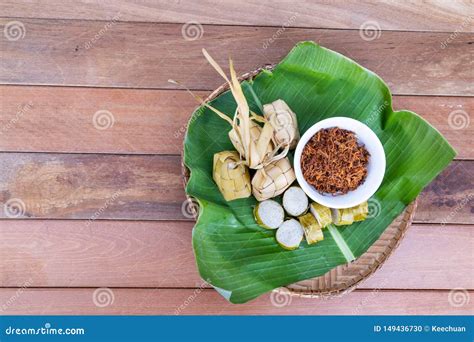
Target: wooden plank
{"type": "Point", "coordinates": [443, 113]}
{"type": "Point", "coordinates": [149, 187]}
{"type": "Point", "coordinates": [390, 15]}
{"type": "Point", "coordinates": [144, 55]}
{"type": "Point", "coordinates": [61, 119]}
{"type": "Point", "coordinates": [56, 253]}
{"type": "Point", "coordinates": [450, 197]}
{"type": "Point", "coordinates": [426, 259]}
{"type": "Point", "coordinates": [61, 253]}
{"type": "Point", "coordinates": [90, 186]}
{"type": "Point", "coordinates": [209, 302]}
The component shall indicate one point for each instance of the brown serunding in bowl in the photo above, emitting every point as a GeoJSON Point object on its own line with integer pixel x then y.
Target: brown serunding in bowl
{"type": "Point", "coordinates": [334, 162]}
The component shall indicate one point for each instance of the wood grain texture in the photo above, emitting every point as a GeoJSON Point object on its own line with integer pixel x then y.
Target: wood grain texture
{"type": "Point", "coordinates": [149, 187]}
{"type": "Point", "coordinates": [61, 119]}
{"type": "Point", "coordinates": [91, 186]}
{"type": "Point", "coordinates": [56, 253]}
{"type": "Point", "coordinates": [450, 197]}
{"type": "Point", "coordinates": [209, 302]}
{"type": "Point", "coordinates": [61, 253]}
{"type": "Point", "coordinates": [48, 106]}
{"type": "Point", "coordinates": [390, 15]}
{"type": "Point", "coordinates": [145, 55]}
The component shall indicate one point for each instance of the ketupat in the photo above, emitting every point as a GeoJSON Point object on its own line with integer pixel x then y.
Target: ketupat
{"type": "Point", "coordinates": [321, 213]}
{"type": "Point", "coordinates": [273, 179]}
{"type": "Point", "coordinates": [290, 234]}
{"type": "Point", "coordinates": [342, 217]}
{"type": "Point", "coordinates": [269, 214]}
{"type": "Point", "coordinates": [255, 143]}
{"type": "Point", "coordinates": [361, 211]}
{"type": "Point", "coordinates": [255, 137]}
{"type": "Point", "coordinates": [284, 122]}
{"type": "Point", "coordinates": [251, 142]}
{"type": "Point", "coordinates": [295, 201]}
{"type": "Point", "coordinates": [232, 178]}
{"type": "Point", "coordinates": [312, 229]}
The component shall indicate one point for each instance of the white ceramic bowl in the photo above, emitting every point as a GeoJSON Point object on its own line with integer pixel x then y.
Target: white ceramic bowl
{"type": "Point", "coordinates": [375, 167]}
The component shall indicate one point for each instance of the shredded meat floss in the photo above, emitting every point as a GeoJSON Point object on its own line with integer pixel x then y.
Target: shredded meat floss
{"type": "Point", "coordinates": [334, 162]}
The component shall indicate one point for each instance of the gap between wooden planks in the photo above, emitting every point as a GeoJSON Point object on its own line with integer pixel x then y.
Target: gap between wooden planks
{"type": "Point", "coordinates": [145, 55]}
{"type": "Point", "coordinates": [56, 253]}
{"type": "Point", "coordinates": [150, 187]}
{"type": "Point", "coordinates": [348, 14]}
{"type": "Point", "coordinates": [209, 302]}
{"type": "Point", "coordinates": [61, 119]}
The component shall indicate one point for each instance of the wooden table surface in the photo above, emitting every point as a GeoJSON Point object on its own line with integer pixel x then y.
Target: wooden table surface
{"type": "Point", "coordinates": [91, 196]}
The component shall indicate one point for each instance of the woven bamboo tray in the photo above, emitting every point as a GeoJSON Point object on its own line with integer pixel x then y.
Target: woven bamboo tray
{"type": "Point", "coordinates": [343, 278]}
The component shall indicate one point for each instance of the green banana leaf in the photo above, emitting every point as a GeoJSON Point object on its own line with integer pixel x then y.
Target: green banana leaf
{"type": "Point", "coordinates": [242, 260]}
